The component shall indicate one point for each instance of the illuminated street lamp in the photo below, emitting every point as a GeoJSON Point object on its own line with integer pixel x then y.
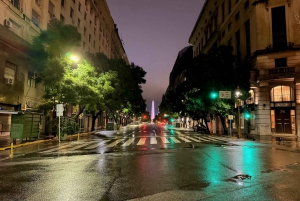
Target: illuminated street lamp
{"type": "Point", "coordinates": [238, 93]}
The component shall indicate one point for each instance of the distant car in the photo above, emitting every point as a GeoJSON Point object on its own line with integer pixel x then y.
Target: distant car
{"type": "Point", "coordinates": [200, 128]}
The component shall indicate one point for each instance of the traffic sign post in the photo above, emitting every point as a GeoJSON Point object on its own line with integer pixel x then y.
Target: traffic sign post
{"type": "Point", "coordinates": [225, 94]}
{"type": "Point", "coordinates": [230, 118]}
{"type": "Point", "coordinates": [59, 113]}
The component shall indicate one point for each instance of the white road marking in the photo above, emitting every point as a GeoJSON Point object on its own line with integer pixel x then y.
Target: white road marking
{"type": "Point", "coordinates": [153, 140]}
{"type": "Point", "coordinates": [114, 143]}
{"type": "Point", "coordinates": [128, 142]}
{"type": "Point", "coordinates": [97, 145]}
{"type": "Point", "coordinates": [142, 141]}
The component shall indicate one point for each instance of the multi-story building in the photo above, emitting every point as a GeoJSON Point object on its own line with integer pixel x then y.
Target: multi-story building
{"type": "Point", "coordinates": [265, 35]}
{"type": "Point", "coordinates": [20, 20]}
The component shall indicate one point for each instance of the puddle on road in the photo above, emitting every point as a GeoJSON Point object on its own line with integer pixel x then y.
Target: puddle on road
{"type": "Point", "coordinates": [239, 177]}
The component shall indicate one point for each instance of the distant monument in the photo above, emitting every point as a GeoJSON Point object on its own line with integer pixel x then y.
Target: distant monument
{"type": "Point", "coordinates": [152, 112]}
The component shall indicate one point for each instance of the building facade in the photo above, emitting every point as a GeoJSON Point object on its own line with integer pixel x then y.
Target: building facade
{"type": "Point", "coordinates": [265, 36]}
{"type": "Point", "coordinates": [20, 20]}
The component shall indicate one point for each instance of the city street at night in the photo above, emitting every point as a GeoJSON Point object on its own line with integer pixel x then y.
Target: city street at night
{"type": "Point", "coordinates": [150, 162]}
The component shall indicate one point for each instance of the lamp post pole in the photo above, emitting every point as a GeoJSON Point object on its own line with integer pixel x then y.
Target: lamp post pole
{"type": "Point", "coordinates": [237, 95]}
{"type": "Point", "coordinates": [239, 120]}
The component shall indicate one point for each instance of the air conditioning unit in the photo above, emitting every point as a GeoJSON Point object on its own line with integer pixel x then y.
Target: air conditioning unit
{"type": "Point", "coordinates": [23, 106]}
{"type": "Point", "coordinates": [32, 75]}
{"type": "Point", "coordinates": [9, 81]}
{"type": "Point", "coordinates": [7, 23]}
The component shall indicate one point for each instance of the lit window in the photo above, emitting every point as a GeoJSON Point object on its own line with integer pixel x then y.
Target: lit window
{"type": "Point", "coordinates": [282, 93]}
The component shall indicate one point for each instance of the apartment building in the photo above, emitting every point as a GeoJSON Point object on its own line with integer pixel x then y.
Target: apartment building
{"type": "Point", "coordinates": [22, 19]}
{"type": "Point", "coordinates": [265, 35]}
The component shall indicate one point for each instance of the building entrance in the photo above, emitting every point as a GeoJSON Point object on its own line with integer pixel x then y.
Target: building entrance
{"type": "Point", "coordinates": [283, 120]}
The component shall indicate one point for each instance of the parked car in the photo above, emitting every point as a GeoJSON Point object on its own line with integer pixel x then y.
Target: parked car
{"type": "Point", "coordinates": [200, 128]}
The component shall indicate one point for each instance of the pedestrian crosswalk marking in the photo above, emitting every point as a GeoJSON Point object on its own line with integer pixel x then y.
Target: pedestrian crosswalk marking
{"type": "Point", "coordinates": [153, 140]}
{"type": "Point", "coordinates": [58, 148]}
{"type": "Point", "coordinates": [175, 140]}
{"type": "Point", "coordinates": [97, 144]}
{"type": "Point", "coordinates": [128, 142]}
{"type": "Point", "coordinates": [109, 143]}
{"type": "Point", "coordinates": [142, 141]}
{"type": "Point", "coordinates": [114, 143]}
{"type": "Point", "coordinates": [79, 146]}
{"type": "Point", "coordinates": [194, 139]}
{"type": "Point", "coordinates": [164, 140]}
{"type": "Point", "coordinates": [203, 139]}
{"type": "Point", "coordinates": [182, 138]}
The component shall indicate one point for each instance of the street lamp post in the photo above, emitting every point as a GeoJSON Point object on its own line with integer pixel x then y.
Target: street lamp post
{"type": "Point", "coordinates": [238, 93]}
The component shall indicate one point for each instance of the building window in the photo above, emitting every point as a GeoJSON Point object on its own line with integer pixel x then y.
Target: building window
{"type": "Point", "coordinates": [281, 62]}
{"type": "Point", "coordinates": [73, 1]}
{"type": "Point", "coordinates": [248, 41]}
{"type": "Point", "coordinates": [229, 6]}
{"type": "Point", "coordinates": [223, 12]}
{"type": "Point", "coordinates": [230, 42]}
{"type": "Point", "coordinates": [10, 71]}
{"type": "Point", "coordinates": [35, 18]}
{"type": "Point", "coordinates": [85, 15]}
{"type": "Point", "coordinates": [282, 93]}
{"type": "Point", "coordinates": [89, 37]}
{"type": "Point", "coordinates": [237, 16]}
{"type": "Point", "coordinates": [246, 4]}
{"type": "Point", "coordinates": [71, 12]}
{"type": "Point", "coordinates": [279, 28]}
{"type": "Point", "coordinates": [62, 3]}
{"type": "Point", "coordinates": [238, 47]}
{"type": "Point", "coordinates": [79, 6]}
{"type": "Point", "coordinates": [62, 18]}
{"type": "Point", "coordinates": [78, 23]}
{"type": "Point", "coordinates": [229, 26]}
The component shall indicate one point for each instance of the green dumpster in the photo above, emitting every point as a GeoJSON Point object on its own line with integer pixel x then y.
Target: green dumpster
{"type": "Point", "coordinates": [24, 126]}
{"type": "Point", "coordinates": [111, 126]}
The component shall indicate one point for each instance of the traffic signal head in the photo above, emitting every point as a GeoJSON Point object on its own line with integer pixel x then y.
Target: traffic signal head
{"type": "Point", "coordinates": [247, 115]}
{"type": "Point", "coordinates": [213, 95]}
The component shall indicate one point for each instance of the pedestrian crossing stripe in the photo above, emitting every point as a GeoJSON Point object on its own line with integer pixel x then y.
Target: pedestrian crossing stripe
{"type": "Point", "coordinates": [110, 143]}
{"type": "Point", "coordinates": [96, 145]}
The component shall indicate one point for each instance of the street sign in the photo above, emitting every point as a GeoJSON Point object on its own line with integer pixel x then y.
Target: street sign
{"type": "Point", "coordinates": [225, 94]}
{"type": "Point", "coordinates": [230, 117]}
{"type": "Point", "coordinates": [59, 110]}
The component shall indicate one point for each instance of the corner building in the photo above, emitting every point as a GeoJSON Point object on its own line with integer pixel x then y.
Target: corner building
{"type": "Point", "coordinates": [265, 36]}
{"type": "Point", "coordinates": [22, 19]}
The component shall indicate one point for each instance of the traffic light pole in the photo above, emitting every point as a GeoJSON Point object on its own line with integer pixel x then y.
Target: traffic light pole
{"type": "Point", "coordinates": [239, 120]}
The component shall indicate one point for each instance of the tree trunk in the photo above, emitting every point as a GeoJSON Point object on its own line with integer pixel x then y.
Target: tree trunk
{"type": "Point", "coordinates": [94, 117]}
{"type": "Point", "coordinates": [224, 125]}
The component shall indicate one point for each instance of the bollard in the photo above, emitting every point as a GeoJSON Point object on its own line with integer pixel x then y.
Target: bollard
{"type": "Point", "coordinates": [78, 136]}
{"type": "Point", "coordinates": [11, 155]}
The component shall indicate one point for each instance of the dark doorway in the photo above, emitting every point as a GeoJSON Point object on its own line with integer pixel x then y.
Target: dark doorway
{"type": "Point", "coordinates": [283, 121]}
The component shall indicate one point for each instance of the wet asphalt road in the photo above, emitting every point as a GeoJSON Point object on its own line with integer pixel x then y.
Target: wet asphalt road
{"type": "Point", "coordinates": [215, 169]}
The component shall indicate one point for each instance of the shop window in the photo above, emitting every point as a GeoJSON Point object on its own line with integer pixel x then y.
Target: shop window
{"type": "Point", "coordinates": [282, 93]}
{"type": "Point", "coordinates": [273, 121]}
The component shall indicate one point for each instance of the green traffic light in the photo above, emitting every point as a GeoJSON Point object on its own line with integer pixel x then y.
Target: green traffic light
{"type": "Point", "coordinates": [213, 95]}
{"type": "Point", "coordinates": [247, 115]}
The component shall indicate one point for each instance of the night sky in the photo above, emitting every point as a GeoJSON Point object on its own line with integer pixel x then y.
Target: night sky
{"type": "Point", "coordinates": [153, 32]}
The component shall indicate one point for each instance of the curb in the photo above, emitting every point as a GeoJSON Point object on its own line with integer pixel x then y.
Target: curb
{"type": "Point", "coordinates": [70, 137]}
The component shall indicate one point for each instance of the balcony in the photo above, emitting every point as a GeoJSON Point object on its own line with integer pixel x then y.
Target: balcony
{"type": "Point", "coordinates": [279, 73]}
{"type": "Point", "coordinates": [280, 47]}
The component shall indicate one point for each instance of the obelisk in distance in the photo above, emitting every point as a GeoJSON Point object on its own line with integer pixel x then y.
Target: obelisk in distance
{"type": "Point", "coordinates": [152, 112]}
